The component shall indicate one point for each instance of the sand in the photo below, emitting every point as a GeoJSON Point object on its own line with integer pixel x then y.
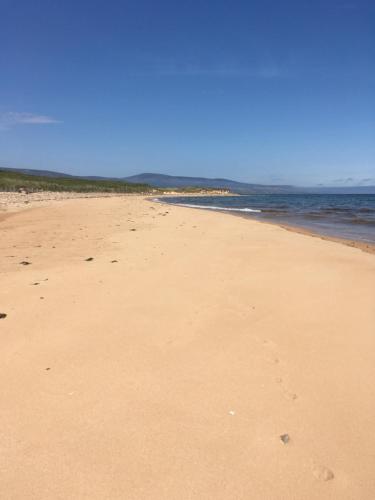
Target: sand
{"type": "Point", "coordinates": [196, 356]}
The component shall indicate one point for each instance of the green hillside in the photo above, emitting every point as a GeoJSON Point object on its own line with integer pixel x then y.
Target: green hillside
{"type": "Point", "coordinates": [13, 181]}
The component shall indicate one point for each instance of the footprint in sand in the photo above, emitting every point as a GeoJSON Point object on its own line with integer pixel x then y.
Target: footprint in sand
{"type": "Point", "coordinates": [269, 343]}
{"type": "Point", "coordinates": [292, 396]}
{"type": "Point", "coordinates": [322, 473]}
{"type": "Point", "coordinates": [273, 361]}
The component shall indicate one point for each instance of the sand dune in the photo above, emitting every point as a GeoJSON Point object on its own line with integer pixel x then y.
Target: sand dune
{"type": "Point", "coordinates": [157, 352]}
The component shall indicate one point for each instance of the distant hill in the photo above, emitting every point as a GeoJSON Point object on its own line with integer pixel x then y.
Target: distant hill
{"type": "Point", "coordinates": [11, 180]}
{"type": "Point", "coordinates": [161, 180]}
{"type": "Point", "coordinates": [171, 181]}
{"type": "Point", "coordinates": [30, 171]}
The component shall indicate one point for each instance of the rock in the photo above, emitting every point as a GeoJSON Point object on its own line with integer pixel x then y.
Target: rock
{"type": "Point", "coordinates": [3, 315]}
{"type": "Point", "coordinates": [113, 261]}
{"type": "Point", "coordinates": [322, 473]}
{"type": "Point", "coordinates": [25, 263]}
{"type": "Point", "coordinates": [285, 438]}
{"type": "Point", "coordinates": [132, 229]}
{"type": "Point", "coordinates": [89, 259]}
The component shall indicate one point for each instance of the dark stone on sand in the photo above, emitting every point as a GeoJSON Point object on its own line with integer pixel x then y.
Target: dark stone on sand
{"type": "Point", "coordinates": [132, 229]}
{"type": "Point", "coordinates": [285, 438]}
{"type": "Point", "coordinates": [113, 261]}
{"type": "Point", "coordinates": [48, 368]}
{"type": "Point", "coordinates": [25, 263]}
{"type": "Point", "coordinates": [89, 259]}
{"type": "Point", "coordinates": [3, 315]}
{"type": "Point", "coordinates": [36, 283]}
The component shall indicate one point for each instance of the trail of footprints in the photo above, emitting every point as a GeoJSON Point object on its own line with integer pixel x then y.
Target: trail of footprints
{"type": "Point", "coordinates": [288, 394]}
{"type": "Point", "coordinates": [320, 472]}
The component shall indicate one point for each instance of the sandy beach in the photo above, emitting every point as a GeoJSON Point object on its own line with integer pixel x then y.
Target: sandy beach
{"type": "Point", "coordinates": [167, 353]}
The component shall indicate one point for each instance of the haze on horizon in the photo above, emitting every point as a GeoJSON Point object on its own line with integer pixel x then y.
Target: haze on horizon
{"type": "Point", "coordinates": [262, 91]}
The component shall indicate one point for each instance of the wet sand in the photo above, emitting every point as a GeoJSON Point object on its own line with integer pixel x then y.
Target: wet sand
{"type": "Point", "coordinates": [160, 352]}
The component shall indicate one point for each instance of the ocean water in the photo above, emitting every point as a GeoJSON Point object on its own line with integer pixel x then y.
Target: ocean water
{"type": "Point", "coordinates": [338, 215]}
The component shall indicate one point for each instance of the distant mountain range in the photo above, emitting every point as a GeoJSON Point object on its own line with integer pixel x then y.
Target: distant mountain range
{"type": "Point", "coordinates": [171, 181]}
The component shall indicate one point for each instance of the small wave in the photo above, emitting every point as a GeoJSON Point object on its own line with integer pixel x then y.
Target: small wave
{"type": "Point", "coordinates": [360, 220]}
{"type": "Point", "coordinates": [366, 210]}
{"type": "Point", "coordinates": [218, 208]}
{"type": "Point", "coordinates": [336, 209]}
{"type": "Point", "coordinates": [274, 211]}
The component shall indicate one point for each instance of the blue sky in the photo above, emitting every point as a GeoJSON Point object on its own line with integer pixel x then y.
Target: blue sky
{"type": "Point", "coordinates": [259, 91]}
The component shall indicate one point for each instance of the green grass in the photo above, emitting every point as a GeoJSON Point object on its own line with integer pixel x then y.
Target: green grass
{"type": "Point", "coordinates": [13, 181]}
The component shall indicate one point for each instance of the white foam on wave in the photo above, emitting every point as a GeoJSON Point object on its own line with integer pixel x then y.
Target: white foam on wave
{"type": "Point", "coordinates": [227, 209]}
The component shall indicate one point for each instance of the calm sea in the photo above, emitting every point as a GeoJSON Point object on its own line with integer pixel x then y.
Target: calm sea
{"type": "Point", "coordinates": [344, 216]}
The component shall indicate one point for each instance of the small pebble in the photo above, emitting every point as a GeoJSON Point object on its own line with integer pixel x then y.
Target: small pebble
{"type": "Point", "coordinates": [285, 438]}
{"type": "Point", "coordinates": [3, 315]}
{"type": "Point", "coordinates": [89, 259]}
{"type": "Point", "coordinates": [25, 263]}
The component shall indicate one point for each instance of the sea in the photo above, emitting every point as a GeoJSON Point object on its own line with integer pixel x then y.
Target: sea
{"type": "Point", "coordinates": [350, 217]}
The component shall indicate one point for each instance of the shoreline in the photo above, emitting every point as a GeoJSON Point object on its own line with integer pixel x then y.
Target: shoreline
{"type": "Point", "coordinates": [364, 246]}
{"type": "Point", "coordinates": [29, 201]}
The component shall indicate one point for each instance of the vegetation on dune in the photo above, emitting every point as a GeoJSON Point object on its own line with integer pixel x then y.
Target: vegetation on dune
{"type": "Point", "coordinates": [193, 189]}
{"type": "Point", "coordinates": [13, 181]}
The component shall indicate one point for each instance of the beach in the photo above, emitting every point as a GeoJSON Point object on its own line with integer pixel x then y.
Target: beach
{"type": "Point", "coordinates": [152, 351]}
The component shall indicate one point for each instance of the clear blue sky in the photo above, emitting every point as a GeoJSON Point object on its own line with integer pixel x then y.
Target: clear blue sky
{"type": "Point", "coordinates": [264, 91]}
